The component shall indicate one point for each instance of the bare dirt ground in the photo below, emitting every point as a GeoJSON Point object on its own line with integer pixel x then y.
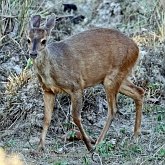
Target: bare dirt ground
{"type": "Point", "coordinates": [21, 103]}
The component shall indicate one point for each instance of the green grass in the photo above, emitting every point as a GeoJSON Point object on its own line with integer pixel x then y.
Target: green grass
{"type": "Point", "coordinates": [60, 162]}
{"type": "Point", "coordinates": [105, 148]}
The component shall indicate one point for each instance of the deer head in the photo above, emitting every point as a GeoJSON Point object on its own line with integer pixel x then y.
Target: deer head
{"type": "Point", "coordinates": [37, 37]}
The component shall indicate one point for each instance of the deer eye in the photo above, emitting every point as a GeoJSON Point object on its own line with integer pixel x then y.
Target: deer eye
{"type": "Point", "coordinates": [43, 42]}
{"type": "Point", "coordinates": [28, 40]}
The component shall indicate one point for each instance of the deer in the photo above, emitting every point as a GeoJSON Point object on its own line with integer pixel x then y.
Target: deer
{"type": "Point", "coordinates": [95, 56]}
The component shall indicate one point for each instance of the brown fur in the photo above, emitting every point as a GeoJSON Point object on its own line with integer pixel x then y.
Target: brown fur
{"type": "Point", "coordinates": [91, 57]}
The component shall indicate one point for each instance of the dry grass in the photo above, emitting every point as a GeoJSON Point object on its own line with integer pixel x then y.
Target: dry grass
{"type": "Point", "coordinates": [15, 81]}
{"type": "Point", "coordinates": [146, 39]}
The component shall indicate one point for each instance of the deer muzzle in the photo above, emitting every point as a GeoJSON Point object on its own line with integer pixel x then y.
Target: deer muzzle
{"type": "Point", "coordinates": [33, 52]}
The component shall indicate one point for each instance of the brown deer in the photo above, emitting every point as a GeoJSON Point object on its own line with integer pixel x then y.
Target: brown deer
{"type": "Point", "coordinates": [91, 57]}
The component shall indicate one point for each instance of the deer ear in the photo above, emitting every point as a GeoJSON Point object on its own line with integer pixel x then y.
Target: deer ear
{"type": "Point", "coordinates": [50, 23]}
{"type": "Point", "coordinates": [35, 21]}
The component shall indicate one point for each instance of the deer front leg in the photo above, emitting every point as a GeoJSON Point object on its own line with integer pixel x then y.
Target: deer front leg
{"type": "Point", "coordinates": [49, 105]}
{"type": "Point", "coordinates": [76, 105]}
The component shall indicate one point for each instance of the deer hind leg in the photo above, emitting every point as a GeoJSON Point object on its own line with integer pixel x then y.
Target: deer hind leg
{"type": "Point", "coordinates": [76, 105]}
{"type": "Point", "coordinates": [136, 93]}
{"type": "Point", "coordinates": [112, 84]}
{"type": "Point", "coordinates": [49, 105]}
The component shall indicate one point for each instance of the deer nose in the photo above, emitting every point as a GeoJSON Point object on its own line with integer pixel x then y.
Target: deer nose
{"type": "Point", "coordinates": [33, 54]}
